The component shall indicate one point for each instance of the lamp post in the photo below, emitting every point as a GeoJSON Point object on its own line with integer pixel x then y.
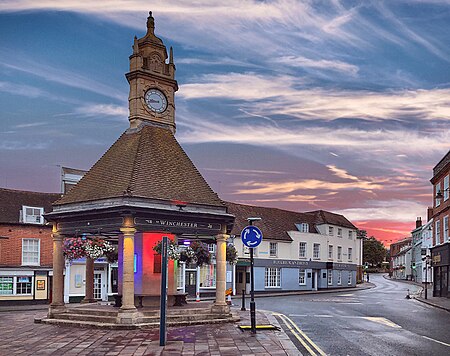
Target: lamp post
{"type": "Point", "coordinates": [426, 258]}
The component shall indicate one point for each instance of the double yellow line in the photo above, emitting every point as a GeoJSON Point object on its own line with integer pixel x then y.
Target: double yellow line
{"type": "Point", "coordinates": [307, 343]}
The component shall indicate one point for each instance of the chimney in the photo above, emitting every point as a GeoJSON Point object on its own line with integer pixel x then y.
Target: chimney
{"type": "Point", "coordinates": [429, 213]}
{"type": "Point", "coordinates": [418, 222]}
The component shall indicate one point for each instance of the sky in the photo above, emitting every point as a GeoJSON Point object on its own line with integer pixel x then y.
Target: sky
{"type": "Point", "coordinates": [302, 105]}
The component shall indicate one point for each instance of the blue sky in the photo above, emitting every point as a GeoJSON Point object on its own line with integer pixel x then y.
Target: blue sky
{"type": "Point", "coordinates": [302, 105]}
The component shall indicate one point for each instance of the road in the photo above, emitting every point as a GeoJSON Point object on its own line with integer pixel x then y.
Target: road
{"type": "Point", "coordinates": [377, 321]}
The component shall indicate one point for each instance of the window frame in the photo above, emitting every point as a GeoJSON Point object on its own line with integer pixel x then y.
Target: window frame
{"type": "Point", "coordinates": [350, 254]}
{"type": "Point", "coordinates": [316, 256]}
{"type": "Point", "coordinates": [350, 278]}
{"type": "Point", "coordinates": [272, 274]}
{"type": "Point", "coordinates": [27, 263]}
{"type": "Point", "coordinates": [305, 254]}
{"type": "Point", "coordinates": [271, 244]}
{"type": "Point", "coordinates": [437, 226]}
{"type": "Point", "coordinates": [438, 190]}
{"type": "Point", "coordinates": [339, 253]}
{"type": "Point", "coordinates": [301, 276]}
{"type": "Point", "coordinates": [330, 252]}
{"type": "Point", "coordinates": [24, 215]}
{"type": "Point", "coordinates": [330, 277]}
{"type": "Point", "coordinates": [303, 227]}
{"type": "Point", "coordinates": [339, 232]}
{"type": "Point", "coordinates": [445, 228]}
{"type": "Point", "coordinates": [446, 187]}
{"type": "Point", "coordinates": [350, 234]}
{"type": "Point", "coordinates": [330, 230]}
{"type": "Point", "coordinates": [339, 277]}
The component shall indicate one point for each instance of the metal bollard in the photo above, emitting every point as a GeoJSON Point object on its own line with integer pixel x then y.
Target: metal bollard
{"type": "Point", "coordinates": [243, 300]}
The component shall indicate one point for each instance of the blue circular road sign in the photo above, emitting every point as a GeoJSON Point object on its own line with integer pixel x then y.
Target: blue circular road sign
{"type": "Point", "coordinates": [251, 236]}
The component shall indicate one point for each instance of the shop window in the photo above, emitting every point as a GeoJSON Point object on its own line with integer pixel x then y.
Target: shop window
{"type": "Point", "coordinates": [330, 277]}
{"type": "Point", "coordinates": [339, 277]}
{"type": "Point", "coordinates": [301, 277]}
{"type": "Point", "coordinates": [30, 252]}
{"type": "Point", "coordinates": [6, 285]}
{"type": "Point", "coordinates": [350, 277]}
{"type": "Point", "coordinates": [23, 285]}
{"type": "Point", "coordinates": [272, 277]}
{"type": "Point", "coordinates": [208, 276]}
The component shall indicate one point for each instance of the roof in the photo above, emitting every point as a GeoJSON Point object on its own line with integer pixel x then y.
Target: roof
{"type": "Point", "coordinates": [11, 202]}
{"type": "Point", "coordinates": [326, 217]}
{"type": "Point", "coordinates": [146, 163]}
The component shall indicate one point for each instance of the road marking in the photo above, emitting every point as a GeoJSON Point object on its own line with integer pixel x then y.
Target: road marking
{"type": "Point", "coordinates": [288, 321]}
{"type": "Point", "coordinates": [383, 321]}
{"type": "Point", "coordinates": [346, 295]}
{"type": "Point", "coordinates": [323, 316]}
{"type": "Point", "coordinates": [351, 303]}
{"type": "Point", "coordinates": [297, 315]}
{"type": "Point", "coordinates": [440, 342]}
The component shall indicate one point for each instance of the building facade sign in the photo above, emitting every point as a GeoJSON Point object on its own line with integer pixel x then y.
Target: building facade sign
{"type": "Point", "coordinates": [178, 224]}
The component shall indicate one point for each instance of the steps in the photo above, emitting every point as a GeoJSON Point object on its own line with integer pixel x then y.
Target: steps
{"type": "Point", "coordinates": [148, 319]}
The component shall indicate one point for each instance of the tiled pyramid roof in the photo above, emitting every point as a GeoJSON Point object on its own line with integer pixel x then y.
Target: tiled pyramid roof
{"type": "Point", "coordinates": [148, 163]}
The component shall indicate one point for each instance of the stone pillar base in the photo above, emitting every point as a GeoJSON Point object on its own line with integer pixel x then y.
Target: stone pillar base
{"type": "Point", "coordinates": [220, 309]}
{"type": "Point", "coordinates": [84, 301]}
{"type": "Point", "coordinates": [54, 310]}
{"type": "Point", "coordinates": [128, 316]}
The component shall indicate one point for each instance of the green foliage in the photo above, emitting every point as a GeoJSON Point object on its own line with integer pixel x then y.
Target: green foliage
{"type": "Point", "coordinates": [374, 252]}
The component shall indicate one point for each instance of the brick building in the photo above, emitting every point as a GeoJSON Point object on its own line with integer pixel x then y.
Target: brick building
{"type": "Point", "coordinates": [25, 246]}
{"type": "Point", "coordinates": [440, 252]}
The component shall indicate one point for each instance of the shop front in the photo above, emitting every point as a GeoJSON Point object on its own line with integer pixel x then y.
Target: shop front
{"type": "Point", "coordinates": [440, 256]}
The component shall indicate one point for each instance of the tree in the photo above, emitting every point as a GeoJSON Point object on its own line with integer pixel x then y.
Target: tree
{"type": "Point", "coordinates": [373, 252]}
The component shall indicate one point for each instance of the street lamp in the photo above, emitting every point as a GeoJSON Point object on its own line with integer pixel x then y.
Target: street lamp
{"type": "Point", "coordinates": [426, 259]}
{"type": "Point", "coordinates": [439, 194]}
{"type": "Point", "coordinates": [252, 284]}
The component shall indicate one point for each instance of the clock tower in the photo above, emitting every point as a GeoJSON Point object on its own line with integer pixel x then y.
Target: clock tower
{"type": "Point", "coordinates": [152, 81]}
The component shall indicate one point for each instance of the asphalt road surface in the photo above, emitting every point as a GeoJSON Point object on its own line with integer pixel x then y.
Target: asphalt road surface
{"type": "Point", "coordinates": [377, 321]}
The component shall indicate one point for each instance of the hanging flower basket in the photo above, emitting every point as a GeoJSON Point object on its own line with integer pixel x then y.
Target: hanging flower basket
{"type": "Point", "coordinates": [172, 250]}
{"type": "Point", "coordinates": [73, 248]}
{"type": "Point", "coordinates": [202, 255]}
{"type": "Point", "coordinates": [97, 248]}
{"type": "Point", "coordinates": [112, 256]}
{"type": "Point", "coordinates": [232, 254]}
{"type": "Point", "coordinates": [187, 254]}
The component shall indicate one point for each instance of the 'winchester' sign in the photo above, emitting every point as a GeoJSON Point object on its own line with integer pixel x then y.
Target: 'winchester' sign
{"type": "Point", "coordinates": [177, 224]}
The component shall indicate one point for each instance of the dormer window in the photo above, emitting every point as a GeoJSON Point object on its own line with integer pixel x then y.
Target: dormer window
{"type": "Point", "coordinates": [32, 215]}
{"type": "Point", "coordinates": [303, 227]}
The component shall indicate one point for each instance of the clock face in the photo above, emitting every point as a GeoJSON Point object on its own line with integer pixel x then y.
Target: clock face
{"type": "Point", "coordinates": [156, 100]}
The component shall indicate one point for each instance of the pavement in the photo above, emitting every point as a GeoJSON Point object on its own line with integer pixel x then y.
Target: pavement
{"type": "Point", "coordinates": [437, 302]}
{"type": "Point", "coordinates": [219, 339]}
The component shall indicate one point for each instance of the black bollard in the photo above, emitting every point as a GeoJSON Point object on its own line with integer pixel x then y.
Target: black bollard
{"type": "Point", "coordinates": [243, 300]}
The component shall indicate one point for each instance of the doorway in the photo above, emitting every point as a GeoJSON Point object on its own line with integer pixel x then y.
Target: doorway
{"type": "Point", "coordinates": [314, 280]}
{"type": "Point", "coordinates": [191, 283]}
{"type": "Point", "coordinates": [99, 286]}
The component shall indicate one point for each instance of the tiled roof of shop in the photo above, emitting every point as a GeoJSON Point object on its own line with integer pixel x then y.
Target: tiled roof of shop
{"type": "Point", "coordinates": [11, 202]}
{"type": "Point", "coordinates": [274, 222]}
{"type": "Point", "coordinates": [325, 217]}
{"type": "Point", "coordinates": [148, 163]}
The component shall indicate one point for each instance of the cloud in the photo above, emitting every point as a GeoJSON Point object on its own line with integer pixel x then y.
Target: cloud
{"type": "Point", "coordinates": [103, 110]}
{"type": "Point", "coordinates": [398, 210]}
{"type": "Point", "coordinates": [319, 103]}
{"type": "Point", "coordinates": [21, 89]}
{"type": "Point", "coordinates": [263, 188]}
{"type": "Point", "coordinates": [333, 65]}
{"type": "Point", "coordinates": [341, 173]}
{"type": "Point", "coordinates": [62, 76]}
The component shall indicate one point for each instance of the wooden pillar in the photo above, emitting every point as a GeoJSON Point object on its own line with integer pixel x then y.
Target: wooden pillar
{"type": "Point", "coordinates": [57, 305]}
{"type": "Point", "coordinates": [221, 271]}
{"type": "Point", "coordinates": [89, 279]}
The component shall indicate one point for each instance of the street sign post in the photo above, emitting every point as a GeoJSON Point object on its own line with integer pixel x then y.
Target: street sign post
{"type": "Point", "coordinates": [251, 237]}
{"type": "Point", "coordinates": [163, 300]}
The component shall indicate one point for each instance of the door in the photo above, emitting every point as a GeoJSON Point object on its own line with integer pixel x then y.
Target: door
{"type": "Point", "coordinates": [99, 286]}
{"type": "Point", "coordinates": [240, 280]}
{"type": "Point", "coordinates": [314, 280]}
{"type": "Point", "coordinates": [191, 283]}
